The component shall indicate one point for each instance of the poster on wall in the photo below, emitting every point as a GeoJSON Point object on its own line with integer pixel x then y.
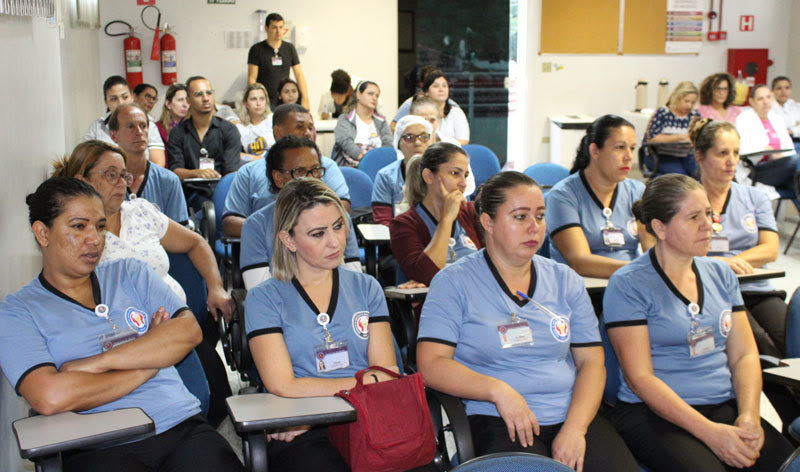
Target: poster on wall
{"type": "Point", "coordinates": [684, 26]}
{"type": "Point", "coordinates": [223, 2]}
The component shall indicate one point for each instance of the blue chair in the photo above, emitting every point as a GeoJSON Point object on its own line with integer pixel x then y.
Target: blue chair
{"type": "Point", "coordinates": [793, 326]}
{"type": "Point", "coordinates": [360, 185]}
{"type": "Point", "coordinates": [183, 271]}
{"type": "Point", "coordinates": [517, 461]}
{"type": "Point", "coordinates": [220, 193]}
{"type": "Point", "coordinates": [547, 174]}
{"type": "Point", "coordinates": [484, 163]}
{"type": "Point", "coordinates": [191, 371]}
{"type": "Point", "coordinates": [792, 463]}
{"type": "Point", "coordinates": [612, 368]}
{"type": "Point", "coordinates": [375, 160]}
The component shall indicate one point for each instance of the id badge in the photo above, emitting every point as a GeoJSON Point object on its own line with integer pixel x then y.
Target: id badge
{"type": "Point", "coordinates": [515, 334]}
{"type": "Point", "coordinates": [331, 356]}
{"type": "Point", "coordinates": [113, 339]}
{"type": "Point", "coordinates": [277, 61]}
{"type": "Point", "coordinates": [206, 163]}
{"type": "Point", "coordinates": [701, 341]}
{"type": "Point", "coordinates": [613, 237]}
{"type": "Point", "coordinates": [719, 244]}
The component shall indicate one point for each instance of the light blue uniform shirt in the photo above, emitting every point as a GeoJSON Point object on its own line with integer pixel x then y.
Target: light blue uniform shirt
{"type": "Point", "coordinates": [44, 327]}
{"type": "Point", "coordinates": [572, 203]}
{"type": "Point", "coordinates": [464, 245]}
{"type": "Point", "coordinates": [257, 239]}
{"type": "Point", "coordinates": [467, 302]}
{"type": "Point", "coordinates": [250, 190]}
{"type": "Point", "coordinates": [163, 188]}
{"type": "Point", "coordinates": [641, 294]}
{"type": "Point", "coordinates": [747, 211]}
{"type": "Point", "coordinates": [388, 188]}
{"type": "Point", "coordinates": [284, 307]}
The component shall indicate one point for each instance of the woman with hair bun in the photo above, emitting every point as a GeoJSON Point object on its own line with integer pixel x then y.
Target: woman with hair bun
{"type": "Point", "coordinates": [690, 371]}
{"type": "Point", "coordinates": [590, 222]}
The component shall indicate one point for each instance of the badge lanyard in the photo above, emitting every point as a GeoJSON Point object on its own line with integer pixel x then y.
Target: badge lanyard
{"type": "Point", "coordinates": [330, 355]}
{"type": "Point", "coordinates": [101, 310]}
{"type": "Point", "coordinates": [700, 340]}
{"type": "Point", "coordinates": [612, 236]}
{"type": "Point", "coordinates": [719, 243]}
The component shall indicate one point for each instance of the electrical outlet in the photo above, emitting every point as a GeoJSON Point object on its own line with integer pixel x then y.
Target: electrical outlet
{"type": "Point", "coordinates": [547, 66]}
{"type": "Point", "coordinates": [546, 140]}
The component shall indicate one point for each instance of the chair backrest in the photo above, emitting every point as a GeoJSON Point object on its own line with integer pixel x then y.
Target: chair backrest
{"type": "Point", "coordinates": [544, 249]}
{"type": "Point", "coordinates": [508, 461]}
{"type": "Point", "coordinates": [220, 192]}
{"type": "Point", "coordinates": [484, 163]}
{"type": "Point", "coordinates": [194, 377]}
{"type": "Point", "coordinates": [612, 368]}
{"type": "Point", "coordinates": [376, 159]}
{"type": "Point", "coordinates": [360, 185]}
{"type": "Point", "coordinates": [547, 174]}
{"type": "Point", "coordinates": [793, 326]}
{"type": "Point", "coordinates": [183, 271]}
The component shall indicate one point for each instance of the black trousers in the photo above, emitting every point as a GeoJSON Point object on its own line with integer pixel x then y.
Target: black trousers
{"type": "Point", "coordinates": [605, 450]}
{"type": "Point", "coordinates": [189, 446]}
{"type": "Point", "coordinates": [663, 446]}
{"type": "Point", "coordinates": [311, 450]}
{"type": "Point", "coordinates": [766, 312]}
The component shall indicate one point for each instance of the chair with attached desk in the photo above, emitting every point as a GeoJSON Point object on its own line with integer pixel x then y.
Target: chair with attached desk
{"type": "Point", "coordinates": [42, 439]}
{"type": "Point", "coordinates": [547, 174]}
{"type": "Point", "coordinates": [212, 230]}
{"type": "Point", "coordinates": [651, 155]}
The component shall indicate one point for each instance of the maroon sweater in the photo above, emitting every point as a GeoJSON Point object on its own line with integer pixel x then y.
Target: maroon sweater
{"type": "Point", "coordinates": [410, 237]}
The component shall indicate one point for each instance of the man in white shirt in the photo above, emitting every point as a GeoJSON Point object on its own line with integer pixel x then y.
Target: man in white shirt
{"type": "Point", "coordinates": [787, 108]}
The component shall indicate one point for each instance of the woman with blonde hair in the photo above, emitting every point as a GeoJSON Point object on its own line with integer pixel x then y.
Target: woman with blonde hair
{"type": "Point", "coordinates": [670, 124]}
{"type": "Point", "coordinates": [314, 324]}
{"type": "Point", "coordinates": [255, 128]}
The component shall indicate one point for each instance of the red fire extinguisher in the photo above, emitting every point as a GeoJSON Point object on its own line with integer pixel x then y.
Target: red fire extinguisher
{"type": "Point", "coordinates": [169, 58]}
{"type": "Point", "coordinates": [132, 54]}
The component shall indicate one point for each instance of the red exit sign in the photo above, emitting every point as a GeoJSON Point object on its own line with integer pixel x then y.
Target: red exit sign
{"type": "Point", "coordinates": [747, 22]}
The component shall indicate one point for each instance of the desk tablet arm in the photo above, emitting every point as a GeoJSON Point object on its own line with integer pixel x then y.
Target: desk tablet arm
{"type": "Point", "coordinates": [254, 414]}
{"type": "Point", "coordinates": [42, 439]}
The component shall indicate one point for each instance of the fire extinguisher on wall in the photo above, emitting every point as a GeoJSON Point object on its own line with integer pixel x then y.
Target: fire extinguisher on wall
{"type": "Point", "coordinates": [132, 47]}
{"type": "Point", "coordinates": [169, 58]}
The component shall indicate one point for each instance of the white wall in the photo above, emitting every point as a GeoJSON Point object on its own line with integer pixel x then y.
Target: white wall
{"type": "Point", "coordinates": [366, 47]}
{"type": "Point", "coordinates": [41, 119]}
{"type": "Point", "coordinates": [599, 84]}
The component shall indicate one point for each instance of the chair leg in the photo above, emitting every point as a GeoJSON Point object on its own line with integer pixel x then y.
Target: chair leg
{"type": "Point", "coordinates": [778, 208]}
{"type": "Point", "coordinates": [789, 244]}
{"type": "Point", "coordinates": [254, 448]}
{"type": "Point", "coordinates": [51, 463]}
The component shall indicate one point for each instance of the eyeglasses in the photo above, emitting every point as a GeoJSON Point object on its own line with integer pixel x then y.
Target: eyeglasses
{"type": "Point", "coordinates": [410, 138]}
{"type": "Point", "coordinates": [297, 172]}
{"type": "Point", "coordinates": [150, 98]}
{"type": "Point", "coordinates": [721, 89]}
{"type": "Point", "coordinates": [112, 176]}
{"type": "Point", "coordinates": [200, 93]}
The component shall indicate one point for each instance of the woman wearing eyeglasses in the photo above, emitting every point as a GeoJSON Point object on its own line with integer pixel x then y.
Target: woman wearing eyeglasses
{"type": "Point", "coordinates": [440, 225]}
{"type": "Point", "coordinates": [412, 136]}
{"type": "Point", "coordinates": [136, 228]}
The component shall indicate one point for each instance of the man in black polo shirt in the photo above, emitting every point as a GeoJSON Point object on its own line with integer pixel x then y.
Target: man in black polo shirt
{"type": "Point", "coordinates": [270, 61]}
{"type": "Point", "coordinates": [203, 135]}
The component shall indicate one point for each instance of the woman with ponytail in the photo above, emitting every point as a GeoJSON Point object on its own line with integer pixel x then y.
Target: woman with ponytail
{"type": "Point", "coordinates": [593, 228]}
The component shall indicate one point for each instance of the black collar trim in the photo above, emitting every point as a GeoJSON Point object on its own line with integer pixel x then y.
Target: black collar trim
{"type": "Point", "coordinates": [673, 288]}
{"type": "Point", "coordinates": [502, 283]}
{"type": "Point", "coordinates": [727, 200]}
{"type": "Point", "coordinates": [594, 197]}
{"type": "Point", "coordinates": [310, 303]}
{"type": "Point", "coordinates": [436, 222]}
{"type": "Point", "coordinates": [96, 295]}
{"type": "Point", "coordinates": [144, 180]}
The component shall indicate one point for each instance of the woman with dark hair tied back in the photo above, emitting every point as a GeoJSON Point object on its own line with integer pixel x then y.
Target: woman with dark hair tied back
{"type": "Point", "coordinates": [690, 371]}
{"type": "Point", "coordinates": [590, 221]}
{"type": "Point", "coordinates": [453, 122]}
{"type": "Point", "coordinates": [87, 338]}
{"type": "Point", "coordinates": [514, 335]}
{"type": "Point", "coordinates": [440, 225]}
{"type": "Point", "coordinates": [745, 236]}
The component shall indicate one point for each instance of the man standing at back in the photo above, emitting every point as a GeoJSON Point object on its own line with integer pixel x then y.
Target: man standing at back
{"type": "Point", "coordinates": [269, 61]}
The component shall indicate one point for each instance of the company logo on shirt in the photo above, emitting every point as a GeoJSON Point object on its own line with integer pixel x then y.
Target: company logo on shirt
{"type": "Point", "coordinates": [136, 319]}
{"type": "Point", "coordinates": [725, 322]}
{"type": "Point", "coordinates": [559, 328]}
{"type": "Point", "coordinates": [467, 242]}
{"type": "Point", "coordinates": [749, 223]}
{"type": "Point", "coordinates": [632, 228]}
{"type": "Point", "coordinates": [361, 324]}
